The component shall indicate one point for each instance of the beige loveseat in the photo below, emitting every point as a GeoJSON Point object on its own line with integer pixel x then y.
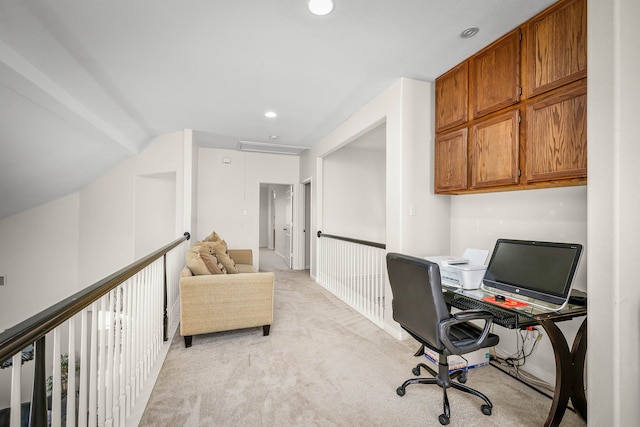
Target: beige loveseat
{"type": "Point", "coordinates": [223, 302]}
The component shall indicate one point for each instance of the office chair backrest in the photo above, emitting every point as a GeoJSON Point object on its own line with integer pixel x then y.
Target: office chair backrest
{"type": "Point", "coordinates": [418, 304]}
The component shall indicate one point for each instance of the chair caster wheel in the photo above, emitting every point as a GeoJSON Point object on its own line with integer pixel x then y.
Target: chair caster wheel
{"type": "Point", "coordinates": [400, 391]}
{"type": "Point", "coordinates": [462, 378]}
{"type": "Point", "coordinates": [444, 420]}
{"type": "Point", "coordinates": [486, 409]}
{"type": "Point", "coordinates": [416, 371]}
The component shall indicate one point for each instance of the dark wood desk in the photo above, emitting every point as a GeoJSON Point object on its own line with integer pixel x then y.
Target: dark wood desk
{"type": "Point", "coordinates": [569, 363]}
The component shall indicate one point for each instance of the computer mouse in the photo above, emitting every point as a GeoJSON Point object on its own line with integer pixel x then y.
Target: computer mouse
{"type": "Point", "coordinates": [500, 298]}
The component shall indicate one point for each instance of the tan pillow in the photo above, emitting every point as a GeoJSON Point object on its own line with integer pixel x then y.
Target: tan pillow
{"type": "Point", "coordinates": [228, 263]}
{"type": "Point", "coordinates": [196, 264]}
{"type": "Point", "coordinates": [219, 247]}
{"type": "Point", "coordinates": [212, 264]}
{"type": "Point", "coordinates": [201, 248]}
{"type": "Point", "coordinates": [213, 237]}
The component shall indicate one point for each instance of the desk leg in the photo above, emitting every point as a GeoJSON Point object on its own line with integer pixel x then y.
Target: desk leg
{"type": "Point", "coordinates": [563, 373]}
{"type": "Point", "coordinates": [578, 354]}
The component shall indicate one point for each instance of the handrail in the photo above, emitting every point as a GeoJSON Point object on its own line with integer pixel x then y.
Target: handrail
{"type": "Point", "coordinates": [14, 339]}
{"type": "Point", "coordinates": [349, 239]}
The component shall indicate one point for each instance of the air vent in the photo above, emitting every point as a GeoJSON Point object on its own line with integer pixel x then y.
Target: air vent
{"type": "Point", "coordinates": [265, 147]}
{"type": "Point", "coordinates": [3, 280]}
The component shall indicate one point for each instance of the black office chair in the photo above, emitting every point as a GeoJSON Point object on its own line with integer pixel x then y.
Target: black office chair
{"type": "Point", "coordinates": [419, 307]}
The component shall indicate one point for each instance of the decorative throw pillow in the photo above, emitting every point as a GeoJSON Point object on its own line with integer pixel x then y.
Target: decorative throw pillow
{"type": "Point", "coordinates": [196, 264]}
{"type": "Point", "coordinates": [228, 263]}
{"type": "Point", "coordinates": [201, 248]}
{"type": "Point", "coordinates": [212, 264]}
{"type": "Point", "coordinates": [219, 247]}
{"type": "Point", "coordinates": [213, 237]}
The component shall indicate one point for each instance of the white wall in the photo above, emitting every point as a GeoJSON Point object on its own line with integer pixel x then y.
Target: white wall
{"type": "Point", "coordinates": [264, 217]}
{"type": "Point", "coordinates": [107, 208]}
{"type": "Point", "coordinates": [554, 214]}
{"type": "Point", "coordinates": [226, 191]}
{"type": "Point", "coordinates": [354, 194]}
{"type": "Point", "coordinates": [155, 212]}
{"type": "Point", "coordinates": [39, 256]}
{"type": "Point", "coordinates": [407, 109]}
{"type": "Point", "coordinates": [613, 212]}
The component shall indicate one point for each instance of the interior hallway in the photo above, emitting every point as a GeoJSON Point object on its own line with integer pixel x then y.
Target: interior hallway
{"type": "Point", "coordinates": [271, 261]}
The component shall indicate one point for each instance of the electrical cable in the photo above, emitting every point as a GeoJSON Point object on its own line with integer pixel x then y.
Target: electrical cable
{"type": "Point", "coordinates": [516, 360]}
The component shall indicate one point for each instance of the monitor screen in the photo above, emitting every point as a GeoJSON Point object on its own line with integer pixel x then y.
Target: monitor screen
{"type": "Point", "coordinates": [540, 270]}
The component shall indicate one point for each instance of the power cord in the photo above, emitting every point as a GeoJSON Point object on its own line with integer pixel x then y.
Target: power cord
{"type": "Point", "coordinates": [517, 360]}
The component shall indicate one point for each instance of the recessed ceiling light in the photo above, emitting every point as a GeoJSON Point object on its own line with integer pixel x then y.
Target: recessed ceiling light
{"type": "Point", "coordinates": [469, 32]}
{"type": "Point", "coordinates": [274, 137]}
{"type": "Point", "coordinates": [270, 114]}
{"type": "Point", "coordinates": [321, 7]}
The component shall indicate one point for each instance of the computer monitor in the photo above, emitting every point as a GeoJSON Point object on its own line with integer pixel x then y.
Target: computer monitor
{"type": "Point", "coordinates": [543, 271]}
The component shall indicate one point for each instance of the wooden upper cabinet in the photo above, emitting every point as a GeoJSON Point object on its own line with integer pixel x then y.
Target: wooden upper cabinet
{"type": "Point", "coordinates": [452, 89]}
{"type": "Point", "coordinates": [495, 151]}
{"type": "Point", "coordinates": [495, 75]}
{"type": "Point", "coordinates": [557, 51]}
{"type": "Point", "coordinates": [557, 135]}
{"type": "Point", "coordinates": [451, 161]}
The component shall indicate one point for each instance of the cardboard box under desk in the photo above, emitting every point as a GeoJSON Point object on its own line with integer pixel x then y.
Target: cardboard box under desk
{"type": "Point", "coordinates": [475, 358]}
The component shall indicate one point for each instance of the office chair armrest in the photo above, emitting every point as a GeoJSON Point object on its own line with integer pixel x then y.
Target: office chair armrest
{"type": "Point", "coordinates": [467, 315]}
{"type": "Point", "coordinates": [464, 317]}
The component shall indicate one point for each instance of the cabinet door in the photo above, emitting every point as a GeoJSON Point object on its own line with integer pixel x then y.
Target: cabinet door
{"type": "Point", "coordinates": [494, 159]}
{"type": "Point", "coordinates": [452, 97]}
{"type": "Point", "coordinates": [495, 75]}
{"type": "Point", "coordinates": [451, 161]}
{"type": "Point", "coordinates": [557, 46]}
{"type": "Point", "coordinates": [557, 135]}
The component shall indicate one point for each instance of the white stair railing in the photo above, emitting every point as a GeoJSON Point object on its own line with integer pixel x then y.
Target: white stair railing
{"type": "Point", "coordinates": [103, 351]}
{"type": "Point", "coordinates": [354, 271]}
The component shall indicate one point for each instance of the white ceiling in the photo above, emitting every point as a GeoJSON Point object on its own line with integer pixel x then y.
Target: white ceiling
{"type": "Point", "coordinates": [87, 83]}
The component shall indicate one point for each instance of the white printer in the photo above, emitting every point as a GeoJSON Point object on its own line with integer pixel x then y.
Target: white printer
{"type": "Point", "coordinates": [464, 272]}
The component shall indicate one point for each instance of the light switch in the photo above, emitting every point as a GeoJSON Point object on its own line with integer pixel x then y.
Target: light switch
{"type": "Point", "coordinates": [412, 210]}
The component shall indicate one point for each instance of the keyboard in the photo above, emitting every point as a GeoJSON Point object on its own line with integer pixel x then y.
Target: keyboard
{"type": "Point", "coordinates": [502, 317]}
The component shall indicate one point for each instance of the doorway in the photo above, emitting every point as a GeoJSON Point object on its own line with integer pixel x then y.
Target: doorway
{"type": "Point", "coordinates": [276, 220]}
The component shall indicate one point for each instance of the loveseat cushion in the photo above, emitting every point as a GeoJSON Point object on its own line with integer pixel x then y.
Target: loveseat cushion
{"type": "Point", "coordinates": [245, 268]}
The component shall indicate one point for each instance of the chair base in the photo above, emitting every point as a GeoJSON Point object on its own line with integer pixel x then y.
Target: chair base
{"type": "Point", "coordinates": [445, 383]}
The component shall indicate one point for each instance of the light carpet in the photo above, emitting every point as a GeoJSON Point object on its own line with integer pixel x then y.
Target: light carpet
{"type": "Point", "coordinates": [323, 364]}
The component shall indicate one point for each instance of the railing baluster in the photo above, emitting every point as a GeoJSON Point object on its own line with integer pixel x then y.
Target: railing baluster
{"type": "Point", "coordinates": [84, 369]}
{"type": "Point", "coordinates": [16, 378]}
{"type": "Point", "coordinates": [108, 369]}
{"type": "Point", "coordinates": [128, 346]}
{"type": "Point", "coordinates": [93, 369]}
{"type": "Point", "coordinates": [56, 390]}
{"type": "Point", "coordinates": [38, 417]}
{"type": "Point", "coordinates": [71, 374]}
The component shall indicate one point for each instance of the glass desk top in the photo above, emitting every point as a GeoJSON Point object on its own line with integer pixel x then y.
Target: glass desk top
{"type": "Point", "coordinates": [520, 314]}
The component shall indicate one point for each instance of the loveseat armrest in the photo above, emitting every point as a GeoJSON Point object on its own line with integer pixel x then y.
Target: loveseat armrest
{"type": "Point", "coordinates": [241, 256]}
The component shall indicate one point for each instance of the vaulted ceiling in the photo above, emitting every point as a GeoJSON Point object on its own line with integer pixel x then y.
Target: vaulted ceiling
{"type": "Point", "coordinates": [87, 83]}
